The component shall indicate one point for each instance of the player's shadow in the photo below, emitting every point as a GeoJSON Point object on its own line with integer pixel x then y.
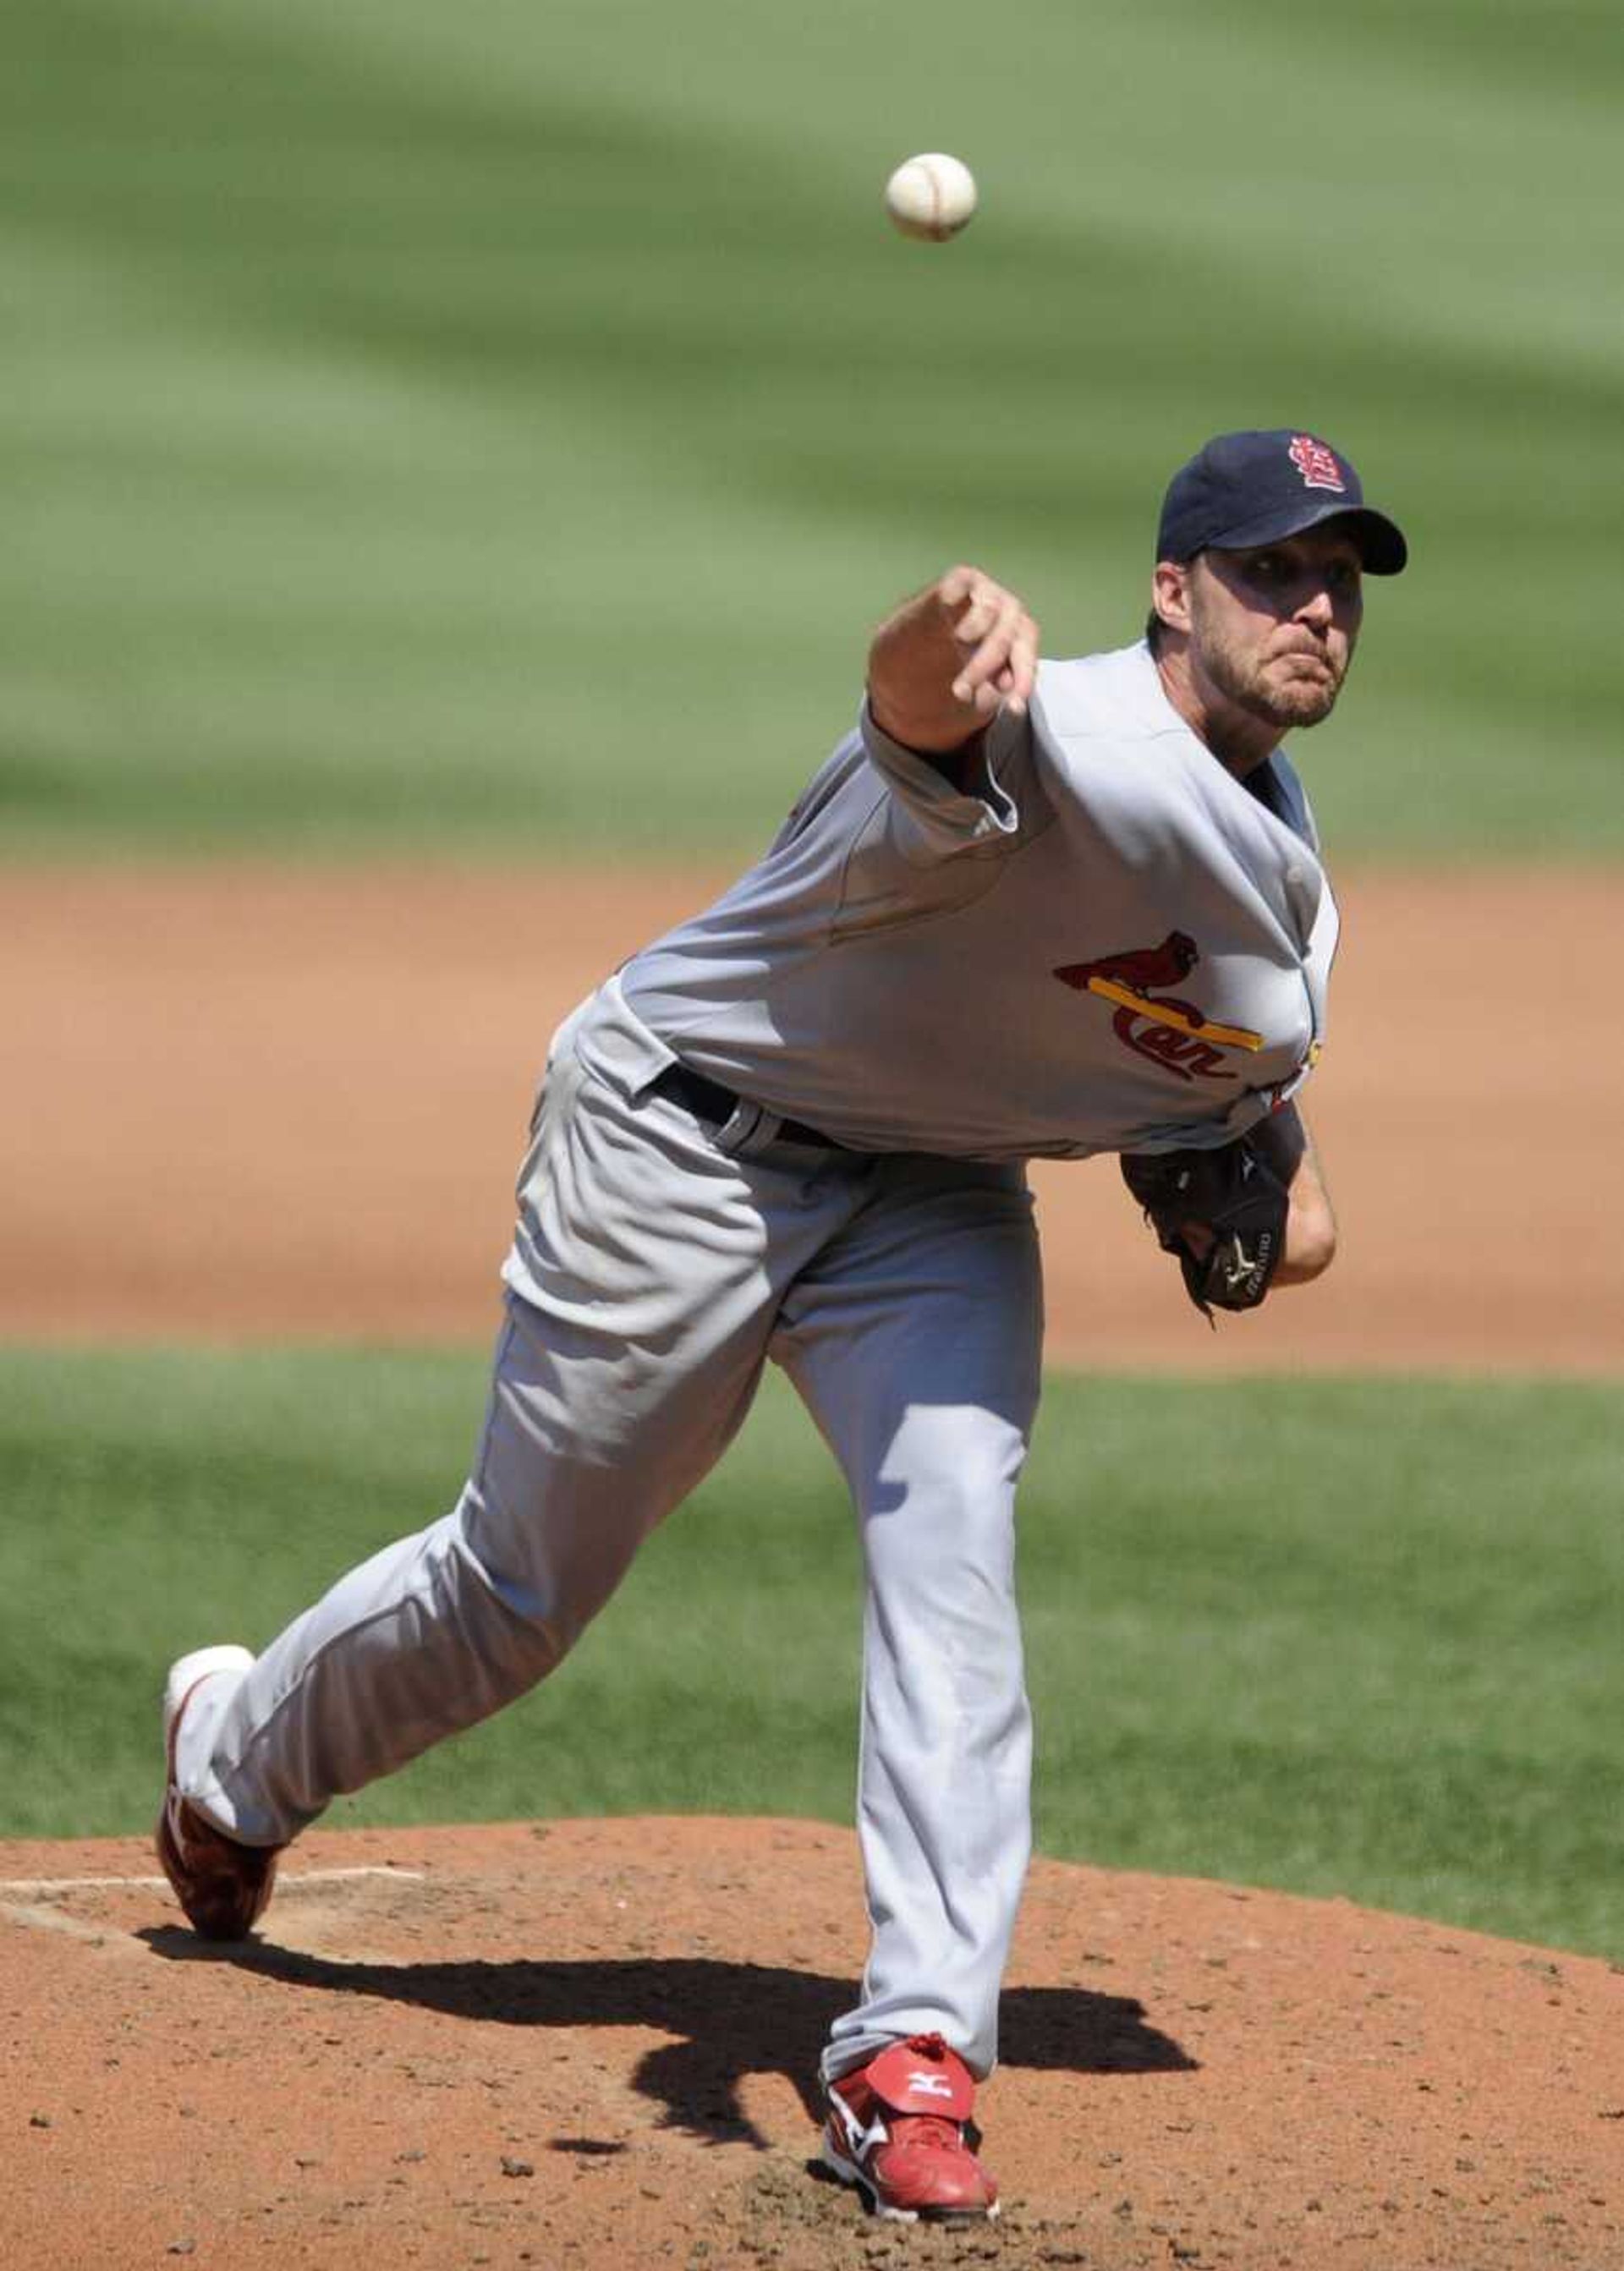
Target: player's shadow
{"type": "Point", "coordinates": [727, 2020]}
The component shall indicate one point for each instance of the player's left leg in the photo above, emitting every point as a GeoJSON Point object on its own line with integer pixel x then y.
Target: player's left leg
{"type": "Point", "coordinates": [915, 1343]}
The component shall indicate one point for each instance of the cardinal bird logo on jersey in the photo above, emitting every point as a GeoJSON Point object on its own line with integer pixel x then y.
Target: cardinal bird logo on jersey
{"type": "Point", "coordinates": [1171, 1031]}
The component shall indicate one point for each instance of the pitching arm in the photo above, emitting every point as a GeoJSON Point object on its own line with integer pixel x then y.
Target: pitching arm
{"type": "Point", "coordinates": [948, 660]}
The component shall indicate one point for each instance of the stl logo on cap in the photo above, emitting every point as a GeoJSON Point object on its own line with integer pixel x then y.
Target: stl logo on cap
{"type": "Point", "coordinates": [1316, 464]}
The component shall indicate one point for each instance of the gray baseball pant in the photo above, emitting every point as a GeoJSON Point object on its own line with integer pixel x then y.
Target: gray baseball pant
{"type": "Point", "coordinates": [656, 1265]}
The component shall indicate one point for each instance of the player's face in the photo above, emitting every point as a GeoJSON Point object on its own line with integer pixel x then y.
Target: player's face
{"type": "Point", "coordinates": [1273, 628]}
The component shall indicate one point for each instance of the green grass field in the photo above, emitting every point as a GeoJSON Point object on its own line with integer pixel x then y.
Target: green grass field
{"type": "Point", "coordinates": [1339, 1637]}
{"type": "Point", "coordinates": [492, 430]}
{"type": "Point", "coordinates": [496, 428]}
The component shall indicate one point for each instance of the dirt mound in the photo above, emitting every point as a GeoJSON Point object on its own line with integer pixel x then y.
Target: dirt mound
{"type": "Point", "coordinates": [592, 2043]}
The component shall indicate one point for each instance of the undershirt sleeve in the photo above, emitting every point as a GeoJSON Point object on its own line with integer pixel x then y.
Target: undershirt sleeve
{"type": "Point", "coordinates": [1275, 785]}
{"type": "Point", "coordinates": [942, 819]}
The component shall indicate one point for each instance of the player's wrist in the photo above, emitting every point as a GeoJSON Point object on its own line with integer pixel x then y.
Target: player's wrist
{"type": "Point", "coordinates": [929, 733]}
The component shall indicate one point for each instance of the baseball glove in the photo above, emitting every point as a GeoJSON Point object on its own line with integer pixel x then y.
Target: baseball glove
{"type": "Point", "coordinates": [1222, 1212]}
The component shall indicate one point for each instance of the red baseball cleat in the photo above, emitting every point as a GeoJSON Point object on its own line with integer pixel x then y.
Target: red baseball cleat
{"type": "Point", "coordinates": [222, 1886]}
{"type": "Point", "coordinates": [896, 2129]}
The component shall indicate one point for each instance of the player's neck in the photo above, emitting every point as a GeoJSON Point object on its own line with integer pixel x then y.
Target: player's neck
{"type": "Point", "coordinates": [1238, 738]}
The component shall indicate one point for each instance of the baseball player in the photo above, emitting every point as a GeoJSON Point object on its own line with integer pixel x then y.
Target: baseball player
{"type": "Point", "coordinates": [1023, 911]}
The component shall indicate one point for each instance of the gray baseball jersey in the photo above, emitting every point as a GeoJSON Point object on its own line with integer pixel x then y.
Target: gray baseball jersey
{"type": "Point", "coordinates": [1115, 945]}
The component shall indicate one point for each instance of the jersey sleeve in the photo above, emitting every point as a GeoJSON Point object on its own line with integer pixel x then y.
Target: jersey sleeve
{"type": "Point", "coordinates": [934, 819]}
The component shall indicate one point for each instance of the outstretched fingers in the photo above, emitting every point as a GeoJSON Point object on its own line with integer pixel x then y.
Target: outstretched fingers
{"type": "Point", "coordinates": [948, 659]}
{"type": "Point", "coordinates": [997, 640]}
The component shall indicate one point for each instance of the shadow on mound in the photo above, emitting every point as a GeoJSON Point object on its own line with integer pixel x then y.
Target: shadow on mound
{"type": "Point", "coordinates": [728, 2020]}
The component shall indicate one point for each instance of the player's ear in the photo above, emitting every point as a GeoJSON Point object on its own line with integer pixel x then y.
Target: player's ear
{"type": "Point", "coordinates": [1170, 594]}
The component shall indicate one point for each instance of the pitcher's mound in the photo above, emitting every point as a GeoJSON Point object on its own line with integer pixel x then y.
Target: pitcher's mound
{"type": "Point", "coordinates": [593, 2042]}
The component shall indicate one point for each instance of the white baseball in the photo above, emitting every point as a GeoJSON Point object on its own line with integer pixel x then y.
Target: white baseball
{"type": "Point", "coordinates": [931, 196]}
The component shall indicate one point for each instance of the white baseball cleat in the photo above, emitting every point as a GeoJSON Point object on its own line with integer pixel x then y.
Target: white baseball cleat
{"type": "Point", "coordinates": [222, 1886]}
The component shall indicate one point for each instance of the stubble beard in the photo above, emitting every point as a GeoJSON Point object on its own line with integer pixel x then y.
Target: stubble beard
{"type": "Point", "coordinates": [1283, 703]}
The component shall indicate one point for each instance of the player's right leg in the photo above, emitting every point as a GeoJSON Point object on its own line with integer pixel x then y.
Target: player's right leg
{"type": "Point", "coordinates": [643, 1284]}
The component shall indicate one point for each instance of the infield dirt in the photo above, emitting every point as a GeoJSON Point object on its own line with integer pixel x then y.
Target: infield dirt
{"type": "Point", "coordinates": [260, 1104]}
{"type": "Point", "coordinates": [248, 1102]}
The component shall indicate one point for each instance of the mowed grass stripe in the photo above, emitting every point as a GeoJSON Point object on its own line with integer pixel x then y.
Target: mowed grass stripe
{"type": "Point", "coordinates": [1335, 1635]}
{"type": "Point", "coordinates": [494, 428]}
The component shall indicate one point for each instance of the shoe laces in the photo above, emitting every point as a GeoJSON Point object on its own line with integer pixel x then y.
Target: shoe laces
{"type": "Point", "coordinates": [928, 2133]}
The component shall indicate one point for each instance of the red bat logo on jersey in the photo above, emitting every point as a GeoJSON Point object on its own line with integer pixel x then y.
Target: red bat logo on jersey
{"type": "Point", "coordinates": [1316, 464]}
{"type": "Point", "coordinates": [1173, 1033]}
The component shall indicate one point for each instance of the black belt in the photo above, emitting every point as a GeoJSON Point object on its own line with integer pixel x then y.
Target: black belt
{"type": "Point", "coordinates": [708, 1099]}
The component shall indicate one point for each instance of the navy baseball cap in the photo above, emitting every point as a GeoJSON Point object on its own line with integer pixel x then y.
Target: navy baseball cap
{"type": "Point", "coordinates": [1255, 488]}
